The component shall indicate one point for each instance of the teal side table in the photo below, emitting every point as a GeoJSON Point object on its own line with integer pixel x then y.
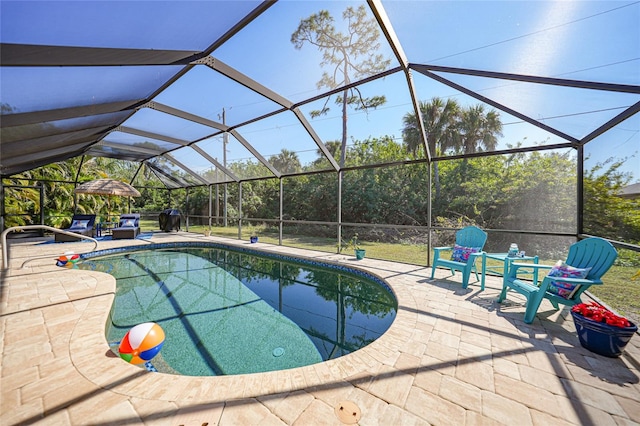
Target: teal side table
{"type": "Point", "coordinates": [506, 264]}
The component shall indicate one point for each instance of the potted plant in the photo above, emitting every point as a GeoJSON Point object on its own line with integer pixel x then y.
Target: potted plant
{"type": "Point", "coordinates": [353, 243]}
{"type": "Point", "coordinates": [600, 330]}
{"type": "Point", "coordinates": [207, 231]}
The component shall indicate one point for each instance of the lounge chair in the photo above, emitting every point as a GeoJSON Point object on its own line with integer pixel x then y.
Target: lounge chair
{"type": "Point", "coordinates": [128, 227]}
{"type": "Point", "coordinates": [80, 224]}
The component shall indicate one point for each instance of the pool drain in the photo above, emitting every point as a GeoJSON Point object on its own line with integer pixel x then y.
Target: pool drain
{"type": "Point", "coordinates": [348, 412]}
{"type": "Point", "coordinates": [278, 352]}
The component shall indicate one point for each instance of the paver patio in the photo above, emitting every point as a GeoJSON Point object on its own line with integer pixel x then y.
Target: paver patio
{"type": "Point", "coordinates": [451, 357]}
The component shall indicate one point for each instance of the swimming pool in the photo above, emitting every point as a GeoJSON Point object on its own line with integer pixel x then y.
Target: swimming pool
{"type": "Point", "coordinates": [228, 310]}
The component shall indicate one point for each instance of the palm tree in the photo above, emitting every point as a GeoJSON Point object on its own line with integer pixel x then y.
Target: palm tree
{"type": "Point", "coordinates": [439, 119]}
{"type": "Point", "coordinates": [333, 147]}
{"type": "Point", "coordinates": [57, 180]}
{"type": "Point", "coordinates": [20, 202]}
{"type": "Point", "coordinates": [478, 131]}
{"type": "Point", "coordinates": [286, 162]}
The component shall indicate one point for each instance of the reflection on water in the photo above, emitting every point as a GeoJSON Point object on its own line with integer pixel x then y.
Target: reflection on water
{"type": "Point", "coordinates": [228, 312]}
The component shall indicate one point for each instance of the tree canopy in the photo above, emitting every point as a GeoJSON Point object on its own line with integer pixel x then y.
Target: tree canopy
{"type": "Point", "coordinates": [349, 56]}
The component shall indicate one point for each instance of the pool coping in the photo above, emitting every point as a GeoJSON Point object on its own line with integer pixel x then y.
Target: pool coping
{"type": "Point", "coordinates": [88, 344]}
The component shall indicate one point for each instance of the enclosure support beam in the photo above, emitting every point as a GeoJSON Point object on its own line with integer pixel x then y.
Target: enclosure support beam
{"type": "Point", "coordinates": [210, 205]}
{"type": "Point", "coordinates": [280, 224]}
{"type": "Point", "coordinates": [239, 210]}
{"type": "Point", "coordinates": [339, 218]}
{"type": "Point", "coordinates": [186, 216]}
{"type": "Point", "coordinates": [42, 200]}
{"type": "Point", "coordinates": [580, 192]}
{"type": "Point", "coordinates": [217, 201]}
{"type": "Point", "coordinates": [429, 203]}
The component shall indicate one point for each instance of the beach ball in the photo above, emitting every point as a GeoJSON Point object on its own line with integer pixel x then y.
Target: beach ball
{"type": "Point", "coordinates": [68, 259]}
{"type": "Point", "coordinates": [141, 343]}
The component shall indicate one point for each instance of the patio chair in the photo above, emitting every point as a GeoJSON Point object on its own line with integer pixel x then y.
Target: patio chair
{"type": "Point", "coordinates": [128, 227]}
{"type": "Point", "coordinates": [468, 247]}
{"type": "Point", "coordinates": [80, 224]}
{"type": "Point", "coordinates": [587, 262]}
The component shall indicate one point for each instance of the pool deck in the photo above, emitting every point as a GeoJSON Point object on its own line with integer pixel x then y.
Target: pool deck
{"type": "Point", "coordinates": [451, 357]}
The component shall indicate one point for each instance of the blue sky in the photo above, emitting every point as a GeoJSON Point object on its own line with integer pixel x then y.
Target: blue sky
{"type": "Point", "coordinates": [585, 40]}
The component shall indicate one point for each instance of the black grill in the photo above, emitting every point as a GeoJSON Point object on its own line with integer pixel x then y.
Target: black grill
{"type": "Point", "coordinates": [169, 220]}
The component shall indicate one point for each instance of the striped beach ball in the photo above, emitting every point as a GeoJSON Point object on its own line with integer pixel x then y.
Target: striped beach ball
{"type": "Point", "coordinates": [141, 343]}
{"type": "Point", "coordinates": [68, 259]}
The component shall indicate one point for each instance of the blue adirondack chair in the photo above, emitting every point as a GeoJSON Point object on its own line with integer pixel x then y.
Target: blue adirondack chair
{"type": "Point", "coordinates": [594, 253]}
{"type": "Point", "coordinates": [468, 238]}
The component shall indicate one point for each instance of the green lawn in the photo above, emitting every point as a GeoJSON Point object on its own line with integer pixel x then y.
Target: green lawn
{"type": "Point", "coordinates": [618, 290]}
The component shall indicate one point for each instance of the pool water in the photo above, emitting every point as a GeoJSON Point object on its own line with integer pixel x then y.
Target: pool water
{"type": "Point", "coordinates": [232, 312]}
